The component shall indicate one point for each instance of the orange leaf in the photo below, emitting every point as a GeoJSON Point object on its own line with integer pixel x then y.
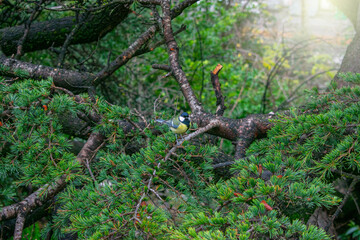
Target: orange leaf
{"type": "Point", "coordinates": [260, 169]}
{"type": "Point", "coordinates": [112, 163]}
{"type": "Point", "coordinates": [279, 176]}
{"type": "Point", "coordinates": [45, 107]}
{"type": "Point", "coordinates": [267, 206]}
{"type": "Point", "coordinates": [238, 194]}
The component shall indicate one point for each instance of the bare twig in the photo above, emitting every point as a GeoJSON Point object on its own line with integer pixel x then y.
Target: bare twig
{"type": "Point", "coordinates": [68, 39]}
{"type": "Point", "coordinates": [338, 210]}
{"type": "Point", "coordinates": [94, 9]}
{"type": "Point", "coordinates": [201, 58]}
{"type": "Point", "coordinates": [356, 203]}
{"type": "Point", "coordinates": [237, 100]}
{"type": "Point", "coordinates": [64, 90]}
{"type": "Point", "coordinates": [282, 59]}
{"type": "Point", "coordinates": [35, 13]}
{"type": "Point", "coordinates": [308, 79]}
{"type": "Point", "coordinates": [224, 164]}
{"type": "Point", "coordinates": [162, 67]}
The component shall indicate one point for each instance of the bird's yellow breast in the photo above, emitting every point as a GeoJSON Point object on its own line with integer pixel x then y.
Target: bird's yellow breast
{"type": "Point", "coordinates": [181, 129]}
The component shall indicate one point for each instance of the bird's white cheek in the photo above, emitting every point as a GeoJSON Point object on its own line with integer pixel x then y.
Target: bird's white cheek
{"type": "Point", "coordinates": [181, 118]}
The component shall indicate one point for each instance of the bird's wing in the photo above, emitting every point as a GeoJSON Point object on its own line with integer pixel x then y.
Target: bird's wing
{"type": "Point", "coordinates": [170, 123]}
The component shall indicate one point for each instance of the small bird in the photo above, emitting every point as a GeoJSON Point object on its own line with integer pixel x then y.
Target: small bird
{"type": "Point", "coordinates": [178, 125]}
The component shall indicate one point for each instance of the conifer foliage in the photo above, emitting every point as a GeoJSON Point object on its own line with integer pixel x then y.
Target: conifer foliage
{"type": "Point", "coordinates": [154, 194]}
{"type": "Point", "coordinates": [80, 167]}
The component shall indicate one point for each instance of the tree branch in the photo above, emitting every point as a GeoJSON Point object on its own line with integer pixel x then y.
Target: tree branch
{"type": "Point", "coordinates": [67, 42]}
{"type": "Point", "coordinates": [246, 129]}
{"type": "Point", "coordinates": [173, 51]}
{"type": "Point", "coordinates": [48, 191]}
{"type": "Point", "coordinates": [43, 35]}
{"type": "Point", "coordinates": [125, 56]}
{"type": "Point", "coordinates": [37, 9]}
{"type": "Point", "coordinates": [69, 79]}
{"type": "Point", "coordinates": [19, 225]}
{"type": "Point", "coordinates": [220, 106]}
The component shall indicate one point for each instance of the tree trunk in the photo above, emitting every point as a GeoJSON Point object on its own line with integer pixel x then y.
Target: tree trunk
{"type": "Point", "coordinates": [351, 61]}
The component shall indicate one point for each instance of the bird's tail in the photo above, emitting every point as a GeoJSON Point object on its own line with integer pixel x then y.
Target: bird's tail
{"type": "Point", "coordinates": [164, 122]}
{"type": "Point", "coordinates": [160, 120]}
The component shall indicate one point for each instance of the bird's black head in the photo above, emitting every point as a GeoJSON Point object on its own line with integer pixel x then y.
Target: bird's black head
{"type": "Point", "coordinates": [185, 119]}
{"type": "Point", "coordinates": [185, 115]}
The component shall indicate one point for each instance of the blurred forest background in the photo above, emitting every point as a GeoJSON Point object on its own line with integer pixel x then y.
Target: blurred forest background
{"type": "Point", "coordinates": [277, 56]}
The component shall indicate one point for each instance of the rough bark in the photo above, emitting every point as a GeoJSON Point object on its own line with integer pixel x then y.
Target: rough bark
{"type": "Point", "coordinates": [351, 61]}
{"type": "Point", "coordinates": [173, 51]}
{"type": "Point", "coordinates": [69, 79]}
{"type": "Point", "coordinates": [43, 35]}
{"type": "Point", "coordinates": [7, 228]}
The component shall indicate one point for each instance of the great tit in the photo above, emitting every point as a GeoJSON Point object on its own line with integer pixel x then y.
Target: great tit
{"type": "Point", "coordinates": [178, 125]}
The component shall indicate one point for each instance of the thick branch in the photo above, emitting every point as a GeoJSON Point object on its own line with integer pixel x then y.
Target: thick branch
{"type": "Point", "coordinates": [7, 228]}
{"type": "Point", "coordinates": [246, 129]}
{"type": "Point", "coordinates": [43, 35]}
{"type": "Point", "coordinates": [62, 78]}
{"type": "Point", "coordinates": [34, 200]}
{"type": "Point", "coordinates": [75, 80]}
{"type": "Point", "coordinates": [173, 51]}
{"type": "Point", "coordinates": [19, 225]}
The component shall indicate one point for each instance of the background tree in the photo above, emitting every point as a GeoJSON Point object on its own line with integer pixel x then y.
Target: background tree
{"type": "Point", "coordinates": [80, 151]}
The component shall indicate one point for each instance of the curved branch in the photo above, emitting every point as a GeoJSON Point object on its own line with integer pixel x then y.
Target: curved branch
{"type": "Point", "coordinates": [173, 51]}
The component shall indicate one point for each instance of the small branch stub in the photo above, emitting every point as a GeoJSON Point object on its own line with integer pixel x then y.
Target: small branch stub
{"type": "Point", "coordinates": [217, 69]}
{"type": "Point", "coordinates": [220, 105]}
